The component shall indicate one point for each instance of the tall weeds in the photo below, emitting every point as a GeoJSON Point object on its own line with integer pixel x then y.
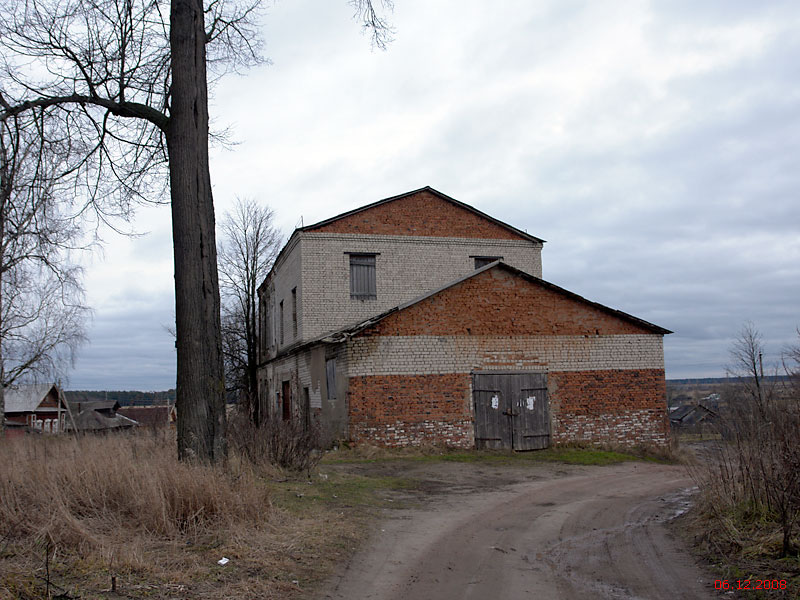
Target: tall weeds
{"type": "Point", "coordinates": [751, 484]}
{"type": "Point", "coordinates": [292, 444]}
{"type": "Point", "coordinates": [98, 491]}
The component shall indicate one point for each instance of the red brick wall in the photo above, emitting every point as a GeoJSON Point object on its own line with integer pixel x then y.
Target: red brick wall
{"type": "Point", "coordinates": [594, 392]}
{"type": "Point", "coordinates": [408, 410]}
{"type": "Point", "coordinates": [499, 302]}
{"type": "Point", "coordinates": [423, 214]}
{"type": "Point", "coordinates": [610, 406]}
{"type": "Point", "coordinates": [626, 407]}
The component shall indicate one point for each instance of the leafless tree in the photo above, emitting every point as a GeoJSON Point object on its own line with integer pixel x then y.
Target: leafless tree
{"type": "Point", "coordinates": [41, 310]}
{"type": "Point", "coordinates": [747, 365]}
{"type": "Point", "coordinates": [791, 365]}
{"type": "Point", "coordinates": [42, 326]}
{"type": "Point", "coordinates": [248, 247]}
{"type": "Point", "coordinates": [759, 467]}
{"type": "Point", "coordinates": [130, 78]}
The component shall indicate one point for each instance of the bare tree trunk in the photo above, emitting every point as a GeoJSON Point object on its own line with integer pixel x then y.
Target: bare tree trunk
{"type": "Point", "coordinates": [252, 360]}
{"type": "Point", "coordinates": [200, 380]}
{"type": "Point", "coordinates": [5, 193]}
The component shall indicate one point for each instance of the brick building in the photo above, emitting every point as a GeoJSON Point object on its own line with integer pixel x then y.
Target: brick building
{"type": "Point", "coordinates": [419, 319]}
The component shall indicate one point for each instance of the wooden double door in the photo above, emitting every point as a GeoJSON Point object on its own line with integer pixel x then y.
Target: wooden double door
{"type": "Point", "coordinates": [511, 410]}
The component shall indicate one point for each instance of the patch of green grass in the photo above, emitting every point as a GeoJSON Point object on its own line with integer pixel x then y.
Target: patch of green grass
{"type": "Point", "coordinates": [572, 455]}
{"type": "Point", "coordinates": [336, 490]}
{"type": "Point", "coordinates": [587, 456]}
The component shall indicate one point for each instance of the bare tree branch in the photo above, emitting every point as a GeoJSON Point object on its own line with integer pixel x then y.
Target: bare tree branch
{"type": "Point", "coordinates": [249, 244]}
{"type": "Point", "coordinates": [372, 22]}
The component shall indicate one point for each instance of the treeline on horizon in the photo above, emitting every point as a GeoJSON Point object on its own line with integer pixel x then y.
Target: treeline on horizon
{"type": "Point", "coordinates": [137, 398]}
{"type": "Point", "coordinates": [125, 398]}
{"type": "Point", "coordinates": [704, 380]}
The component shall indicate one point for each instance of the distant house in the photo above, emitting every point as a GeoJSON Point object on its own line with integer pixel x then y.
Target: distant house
{"type": "Point", "coordinates": [97, 416]}
{"type": "Point", "coordinates": [155, 416]}
{"type": "Point", "coordinates": [36, 407]}
{"type": "Point", "coordinates": [691, 415]}
{"type": "Point", "coordinates": [679, 400]}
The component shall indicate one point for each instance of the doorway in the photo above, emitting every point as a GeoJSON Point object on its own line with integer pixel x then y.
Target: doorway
{"type": "Point", "coordinates": [511, 411]}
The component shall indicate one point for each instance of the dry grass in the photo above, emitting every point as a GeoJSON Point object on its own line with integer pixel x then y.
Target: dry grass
{"type": "Point", "coordinates": [748, 510]}
{"type": "Point", "coordinates": [78, 492]}
{"type": "Point", "coordinates": [77, 511]}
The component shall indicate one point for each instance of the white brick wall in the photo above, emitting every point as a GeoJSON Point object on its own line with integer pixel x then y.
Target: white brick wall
{"type": "Point", "coordinates": [286, 276]}
{"type": "Point", "coordinates": [300, 369]}
{"type": "Point", "coordinates": [409, 355]}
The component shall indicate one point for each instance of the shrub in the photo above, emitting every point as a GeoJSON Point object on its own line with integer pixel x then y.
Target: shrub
{"type": "Point", "coordinates": [287, 444]}
{"type": "Point", "coordinates": [753, 478]}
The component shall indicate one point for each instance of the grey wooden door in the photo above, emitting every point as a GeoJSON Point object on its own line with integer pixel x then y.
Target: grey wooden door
{"type": "Point", "coordinates": [511, 410]}
{"type": "Point", "coordinates": [492, 429]}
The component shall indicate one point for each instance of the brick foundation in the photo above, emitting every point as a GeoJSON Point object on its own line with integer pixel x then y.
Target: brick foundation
{"type": "Point", "coordinates": [609, 406]}
{"type": "Point", "coordinates": [627, 428]}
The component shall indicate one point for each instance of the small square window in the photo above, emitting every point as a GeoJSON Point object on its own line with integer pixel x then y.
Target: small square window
{"type": "Point", "coordinates": [482, 261]}
{"type": "Point", "coordinates": [362, 277]}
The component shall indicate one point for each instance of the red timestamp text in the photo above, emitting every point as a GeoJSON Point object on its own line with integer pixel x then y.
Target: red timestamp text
{"type": "Point", "coordinates": [750, 584]}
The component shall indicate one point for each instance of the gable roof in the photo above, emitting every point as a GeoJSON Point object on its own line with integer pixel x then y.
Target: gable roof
{"type": "Point", "coordinates": [157, 414]}
{"type": "Point", "coordinates": [434, 192]}
{"type": "Point", "coordinates": [99, 405]}
{"type": "Point", "coordinates": [537, 281]}
{"type": "Point", "coordinates": [91, 420]}
{"type": "Point", "coordinates": [427, 189]}
{"type": "Point", "coordinates": [351, 330]}
{"type": "Point", "coordinates": [26, 397]}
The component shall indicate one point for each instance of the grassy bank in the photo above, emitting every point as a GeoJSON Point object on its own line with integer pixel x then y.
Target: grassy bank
{"type": "Point", "coordinates": [77, 514]}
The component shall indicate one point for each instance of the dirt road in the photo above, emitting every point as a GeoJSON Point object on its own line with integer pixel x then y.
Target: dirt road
{"type": "Point", "coordinates": [565, 533]}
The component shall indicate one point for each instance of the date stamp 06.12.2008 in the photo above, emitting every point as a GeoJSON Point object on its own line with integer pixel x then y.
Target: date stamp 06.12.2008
{"type": "Point", "coordinates": [750, 584]}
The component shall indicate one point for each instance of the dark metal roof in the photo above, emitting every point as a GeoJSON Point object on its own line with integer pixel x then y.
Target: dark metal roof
{"type": "Point", "coordinates": [346, 332]}
{"type": "Point", "coordinates": [81, 405]}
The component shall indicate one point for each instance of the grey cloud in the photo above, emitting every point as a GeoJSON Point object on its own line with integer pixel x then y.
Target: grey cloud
{"type": "Point", "coordinates": [129, 349]}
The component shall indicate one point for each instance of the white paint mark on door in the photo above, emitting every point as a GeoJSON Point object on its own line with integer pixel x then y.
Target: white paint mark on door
{"type": "Point", "coordinates": [531, 402]}
{"type": "Point", "coordinates": [495, 402]}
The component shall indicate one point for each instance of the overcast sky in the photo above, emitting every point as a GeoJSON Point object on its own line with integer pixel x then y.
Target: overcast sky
{"type": "Point", "coordinates": [654, 145]}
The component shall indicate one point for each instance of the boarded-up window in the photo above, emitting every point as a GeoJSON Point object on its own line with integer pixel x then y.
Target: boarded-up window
{"type": "Point", "coordinates": [330, 377]}
{"type": "Point", "coordinates": [265, 328]}
{"type": "Point", "coordinates": [306, 409]}
{"type": "Point", "coordinates": [286, 399]}
{"type": "Point", "coordinates": [294, 313]}
{"type": "Point", "coordinates": [281, 324]}
{"type": "Point", "coordinates": [362, 277]}
{"type": "Point", "coordinates": [482, 261]}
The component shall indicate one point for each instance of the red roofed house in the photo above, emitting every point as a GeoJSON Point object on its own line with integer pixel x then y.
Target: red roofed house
{"type": "Point", "coordinates": [419, 319]}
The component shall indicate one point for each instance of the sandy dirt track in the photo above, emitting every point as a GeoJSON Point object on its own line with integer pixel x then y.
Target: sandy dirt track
{"type": "Point", "coordinates": [564, 533]}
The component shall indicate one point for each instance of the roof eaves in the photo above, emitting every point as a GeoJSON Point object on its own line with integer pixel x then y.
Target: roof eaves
{"type": "Point", "coordinates": [607, 309]}
{"type": "Point", "coordinates": [341, 335]}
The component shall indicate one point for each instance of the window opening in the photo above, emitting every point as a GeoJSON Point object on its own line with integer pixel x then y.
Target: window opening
{"type": "Point", "coordinates": [362, 277]}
